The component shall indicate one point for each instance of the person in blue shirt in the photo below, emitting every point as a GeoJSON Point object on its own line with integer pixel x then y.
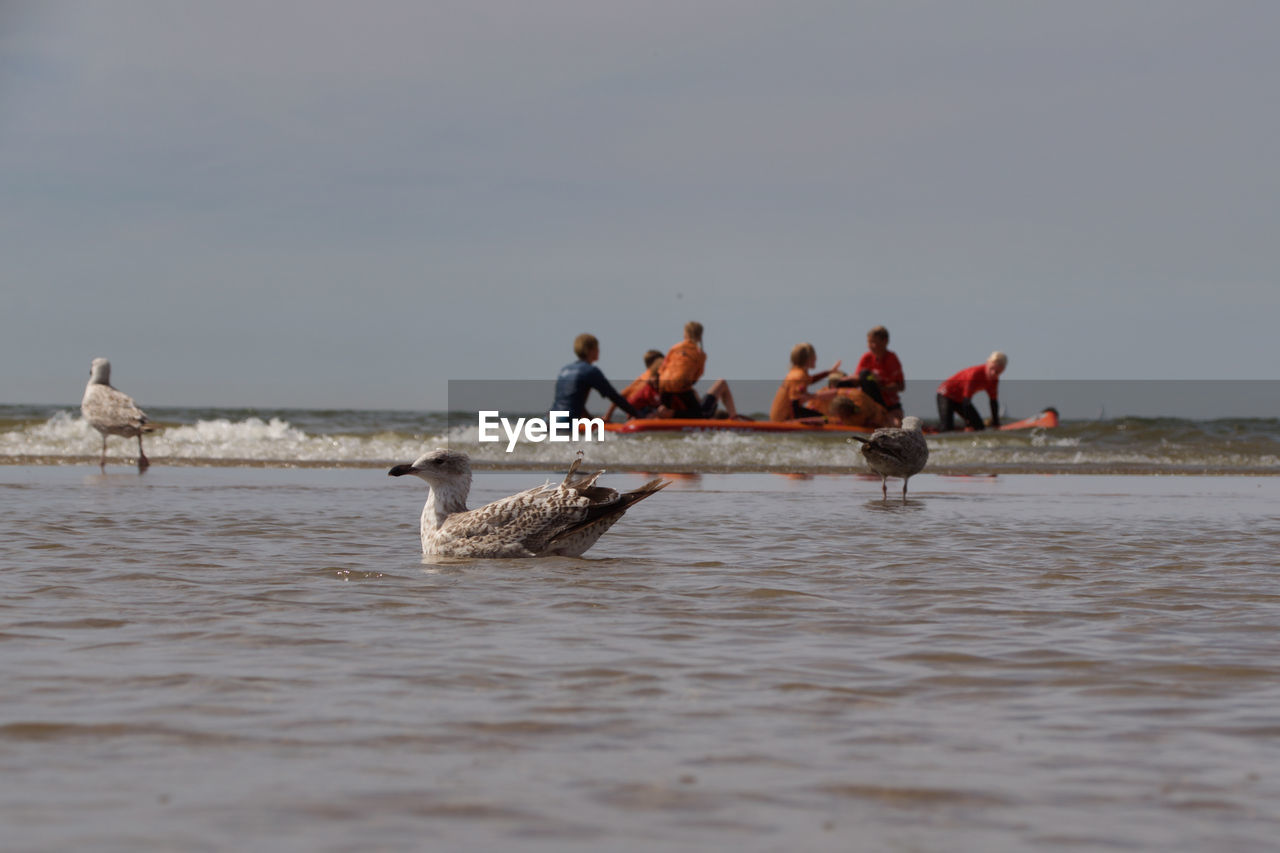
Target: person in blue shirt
{"type": "Point", "coordinates": [576, 381]}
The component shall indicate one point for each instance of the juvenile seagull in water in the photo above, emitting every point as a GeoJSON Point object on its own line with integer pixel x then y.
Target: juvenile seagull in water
{"type": "Point", "coordinates": [896, 452]}
{"type": "Point", "coordinates": [564, 519]}
{"type": "Point", "coordinates": [112, 412]}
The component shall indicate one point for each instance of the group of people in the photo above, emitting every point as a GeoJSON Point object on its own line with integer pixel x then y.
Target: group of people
{"type": "Point", "coordinates": [869, 397]}
{"type": "Point", "coordinates": [664, 390]}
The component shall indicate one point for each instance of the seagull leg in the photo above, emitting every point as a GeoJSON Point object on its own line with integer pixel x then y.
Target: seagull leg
{"type": "Point", "coordinates": [884, 488]}
{"type": "Point", "coordinates": [102, 463]}
{"type": "Point", "coordinates": [143, 462]}
{"type": "Point", "coordinates": [904, 489]}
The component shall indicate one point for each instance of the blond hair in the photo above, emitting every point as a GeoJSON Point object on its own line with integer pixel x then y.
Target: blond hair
{"type": "Point", "coordinates": [801, 353]}
{"type": "Point", "coordinates": [583, 345]}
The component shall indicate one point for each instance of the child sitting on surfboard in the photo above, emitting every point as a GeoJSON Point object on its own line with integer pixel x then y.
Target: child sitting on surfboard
{"type": "Point", "coordinates": [681, 368]}
{"type": "Point", "coordinates": [855, 407]}
{"type": "Point", "coordinates": [642, 393]}
{"type": "Point", "coordinates": [793, 400]}
{"type": "Point", "coordinates": [885, 368]}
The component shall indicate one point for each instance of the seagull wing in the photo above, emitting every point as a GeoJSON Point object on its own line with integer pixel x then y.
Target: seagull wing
{"type": "Point", "coordinates": [110, 410]}
{"type": "Point", "coordinates": [896, 452]}
{"type": "Point", "coordinates": [550, 519]}
{"type": "Point", "coordinates": [607, 507]}
{"type": "Point", "coordinates": [519, 525]}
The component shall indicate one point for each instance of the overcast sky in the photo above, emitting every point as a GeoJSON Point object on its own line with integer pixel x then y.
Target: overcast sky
{"type": "Point", "coordinates": [335, 204]}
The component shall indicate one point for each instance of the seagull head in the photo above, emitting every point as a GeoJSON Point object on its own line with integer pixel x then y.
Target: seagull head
{"type": "Point", "coordinates": [439, 467]}
{"type": "Point", "coordinates": [100, 372]}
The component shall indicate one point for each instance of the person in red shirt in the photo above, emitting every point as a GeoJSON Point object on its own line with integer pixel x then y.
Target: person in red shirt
{"type": "Point", "coordinates": [955, 395]}
{"type": "Point", "coordinates": [643, 392]}
{"type": "Point", "coordinates": [884, 366]}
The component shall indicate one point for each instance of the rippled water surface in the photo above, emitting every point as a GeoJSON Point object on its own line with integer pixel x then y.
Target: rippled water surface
{"type": "Point", "coordinates": [257, 658]}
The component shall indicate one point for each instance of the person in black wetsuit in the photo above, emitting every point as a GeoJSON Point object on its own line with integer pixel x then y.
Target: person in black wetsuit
{"type": "Point", "coordinates": [576, 381]}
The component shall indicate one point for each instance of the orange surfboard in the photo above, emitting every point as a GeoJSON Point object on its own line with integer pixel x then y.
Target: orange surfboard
{"type": "Point", "coordinates": [1046, 419]}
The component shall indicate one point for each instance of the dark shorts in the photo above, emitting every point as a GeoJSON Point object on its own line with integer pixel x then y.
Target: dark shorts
{"type": "Point", "coordinates": [687, 404]}
{"type": "Point", "coordinates": [867, 382]}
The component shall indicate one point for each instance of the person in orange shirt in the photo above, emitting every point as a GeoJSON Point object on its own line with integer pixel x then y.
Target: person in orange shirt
{"type": "Point", "coordinates": [855, 407]}
{"type": "Point", "coordinates": [791, 401]}
{"type": "Point", "coordinates": [642, 393]}
{"type": "Point", "coordinates": [681, 368]}
{"type": "Point", "coordinates": [955, 395]}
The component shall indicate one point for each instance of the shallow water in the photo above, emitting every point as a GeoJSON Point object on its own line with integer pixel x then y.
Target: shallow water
{"type": "Point", "coordinates": [233, 657]}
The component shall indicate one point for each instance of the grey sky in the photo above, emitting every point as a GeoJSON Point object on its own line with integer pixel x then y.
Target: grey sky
{"type": "Point", "coordinates": [338, 204]}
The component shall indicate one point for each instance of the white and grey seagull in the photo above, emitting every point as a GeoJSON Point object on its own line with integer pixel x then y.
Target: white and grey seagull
{"type": "Point", "coordinates": [896, 452]}
{"type": "Point", "coordinates": [112, 412]}
{"type": "Point", "coordinates": [562, 519]}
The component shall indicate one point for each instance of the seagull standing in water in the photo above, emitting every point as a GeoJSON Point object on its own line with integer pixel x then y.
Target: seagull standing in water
{"type": "Point", "coordinates": [112, 412]}
{"type": "Point", "coordinates": [564, 519]}
{"type": "Point", "coordinates": [896, 452]}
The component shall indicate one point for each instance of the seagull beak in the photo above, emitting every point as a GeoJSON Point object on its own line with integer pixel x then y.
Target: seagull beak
{"type": "Point", "coordinates": [401, 470]}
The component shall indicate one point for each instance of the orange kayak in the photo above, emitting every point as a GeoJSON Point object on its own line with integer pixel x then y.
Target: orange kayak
{"type": "Point", "coordinates": [691, 424]}
{"type": "Point", "coordinates": [1046, 419]}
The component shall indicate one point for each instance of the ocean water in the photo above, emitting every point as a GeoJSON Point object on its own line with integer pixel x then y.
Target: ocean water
{"type": "Point", "coordinates": [345, 438]}
{"type": "Point", "coordinates": [1062, 641]}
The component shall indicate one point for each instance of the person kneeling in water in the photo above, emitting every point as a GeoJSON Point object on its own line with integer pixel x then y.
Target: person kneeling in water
{"type": "Point", "coordinates": [955, 395]}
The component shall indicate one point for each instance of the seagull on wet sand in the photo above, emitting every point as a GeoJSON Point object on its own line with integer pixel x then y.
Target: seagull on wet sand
{"type": "Point", "coordinates": [112, 412]}
{"type": "Point", "coordinates": [564, 519]}
{"type": "Point", "coordinates": [896, 452]}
